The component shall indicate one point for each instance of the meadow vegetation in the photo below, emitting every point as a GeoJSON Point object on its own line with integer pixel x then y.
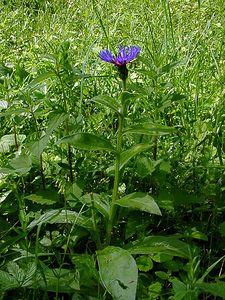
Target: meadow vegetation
{"type": "Point", "coordinates": [111, 190]}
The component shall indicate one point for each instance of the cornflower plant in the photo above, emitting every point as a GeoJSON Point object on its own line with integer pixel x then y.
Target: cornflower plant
{"type": "Point", "coordinates": [110, 257]}
{"type": "Point", "coordinates": [100, 214]}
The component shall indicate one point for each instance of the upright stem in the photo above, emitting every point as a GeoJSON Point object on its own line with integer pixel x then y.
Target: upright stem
{"type": "Point", "coordinates": [119, 145]}
{"type": "Point", "coordinates": [69, 153]}
{"type": "Point", "coordinates": [42, 173]}
{"type": "Point", "coordinates": [15, 137]}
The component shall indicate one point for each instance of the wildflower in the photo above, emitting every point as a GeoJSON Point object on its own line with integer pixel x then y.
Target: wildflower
{"type": "Point", "coordinates": [126, 55]}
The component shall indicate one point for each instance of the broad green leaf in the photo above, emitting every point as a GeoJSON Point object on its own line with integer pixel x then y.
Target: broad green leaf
{"type": "Point", "coordinates": [216, 289]}
{"type": "Point", "coordinates": [140, 89]}
{"type": "Point", "coordinates": [87, 141]}
{"type": "Point", "coordinates": [146, 166]}
{"type": "Point", "coordinates": [118, 272]}
{"type": "Point", "coordinates": [7, 282]}
{"type": "Point", "coordinates": [38, 146]}
{"type": "Point", "coordinates": [24, 276]}
{"type": "Point", "coordinates": [150, 129]}
{"type": "Point", "coordinates": [9, 140]}
{"type": "Point", "coordinates": [21, 164]}
{"type": "Point", "coordinates": [86, 265]}
{"type": "Point", "coordinates": [14, 111]}
{"type": "Point", "coordinates": [127, 97]}
{"type": "Point", "coordinates": [39, 79]}
{"type": "Point", "coordinates": [153, 244]}
{"type": "Point", "coordinates": [106, 101]}
{"type": "Point", "coordinates": [144, 263]}
{"type": "Point", "coordinates": [180, 289]}
{"type": "Point", "coordinates": [72, 192]}
{"type": "Point", "coordinates": [154, 290]}
{"type": "Point", "coordinates": [47, 197]}
{"type": "Point", "coordinates": [162, 275]}
{"type": "Point", "coordinates": [170, 66]}
{"type": "Point", "coordinates": [140, 201]}
{"type": "Point", "coordinates": [62, 216]}
{"type": "Point", "coordinates": [29, 274]}
{"type": "Point", "coordinates": [98, 202]}
{"type": "Point", "coordinates": [134, 150]}
{"type": "Point", "coordinates": [66, 280]}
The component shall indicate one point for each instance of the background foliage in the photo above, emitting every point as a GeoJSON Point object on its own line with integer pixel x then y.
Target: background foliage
{"type": "Point", "coordinates": [55, 194]}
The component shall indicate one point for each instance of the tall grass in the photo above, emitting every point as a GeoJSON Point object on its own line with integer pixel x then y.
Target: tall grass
{"type": "Point", "coordinates": [49, 71]}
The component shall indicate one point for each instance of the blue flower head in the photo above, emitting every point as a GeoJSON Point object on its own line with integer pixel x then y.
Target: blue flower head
{"type": "Point", "coordinates": [126, 55]}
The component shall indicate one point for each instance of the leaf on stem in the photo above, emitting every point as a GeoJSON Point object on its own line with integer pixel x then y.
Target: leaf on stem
{"type": "Point", "coordinates": [47, 197]}
{"type": "Point", "coordinates": [133, 151]}
{"type": "Point", "coordinates": [118, 272]}
{"type": "Point", "coordinates": [150, 129]}
{"type": "Point", "coordinates": [38, 146]}
{"type": "Point", "coordinates": [87, 141]}
{"type": "Point", "coordinates": [140, 201]}
{"type": "Point", "coordinates": [169, 245]}
{"type": "Point", "coordinates": [62, 216]}
{"type": "Point", "coordinates": [107, 101]}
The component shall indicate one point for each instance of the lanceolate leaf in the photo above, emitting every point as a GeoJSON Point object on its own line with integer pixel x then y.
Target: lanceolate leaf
{"type": "Point", "coordinates": [118, 272]}
{"type": "Point", "coordinates": [87, 141]}
{"type": "Point", "coordinates": [44, 197]}
{"type": "Point", "coordinates": [106, 101]}
{"type": "Point", "coordinates": [39, 79]}
{"type": "Point", "coordinates": [38, 147]}
{"type": "Point", "coordinates": [155, 244]}
{"type": "Point", "coordinates": [216, 289]}
{"type": "Point", "coordinates": [167, 68]}
{"type": "Point", "coordinates": [98, 202]}
{"type": "Point", "coordinates": [62, 216]}
{"type": "Point", "coordinates": [150, 129]}
{"type": "Point", "coordinates": [140, 201]}
{"type": "Point", "coordinates": [128, 154]}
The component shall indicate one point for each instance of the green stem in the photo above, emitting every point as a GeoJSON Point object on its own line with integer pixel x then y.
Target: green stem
{"type": "Point", "coordinates": [69, 153]}
{"type": "Point", "coordinates": [119, 146]}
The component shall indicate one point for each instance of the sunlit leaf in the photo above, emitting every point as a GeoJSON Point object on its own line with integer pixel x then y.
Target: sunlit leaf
{"type": "Point", "coordinates": [130, 153]}
{"type": "Point", "coordinates": [3, 104]}
{"type": "Point", "coordinates": [140, 201]}
{"type": "Point", "coordinates": [150, 129]}
{"type": "Point", "coordinates": [62, 216]}
{"type": "Point", "coordinates": [118, 272]}
{"type": "Point", "coordinates": [44, 197]}
{"type": "Point", "coordinates": [38, 80]}
{"type": "Point", "coordinates": [167, 244]}
{"type": "Point", "coordinates": [106, 101]}
{"type": "Point", "coordinates": [98, 202]}
{"type": "Point", "coordinates": [9, 140]}
{"type": "Point", "coordinates": [144, 263]}
{"type": "Point", "coordinates": [87, 141]}
{"type": "Point", "coordinates": [167, 68]}
{"type": "Point", "coordinates": [38, 146]}
{"type": "Point", "coordinates": [21, 164]}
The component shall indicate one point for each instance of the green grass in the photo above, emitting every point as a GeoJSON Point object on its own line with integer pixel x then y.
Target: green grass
{"type": "Point", "coordinates": [55, 198]}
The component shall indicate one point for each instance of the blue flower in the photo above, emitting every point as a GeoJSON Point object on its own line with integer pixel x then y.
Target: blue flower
{"type": "Point", "coordinates": [126, 55]}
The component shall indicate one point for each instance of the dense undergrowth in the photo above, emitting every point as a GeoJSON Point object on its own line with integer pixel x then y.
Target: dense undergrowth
{"type": "Point", "coordinates": [107, 192]}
